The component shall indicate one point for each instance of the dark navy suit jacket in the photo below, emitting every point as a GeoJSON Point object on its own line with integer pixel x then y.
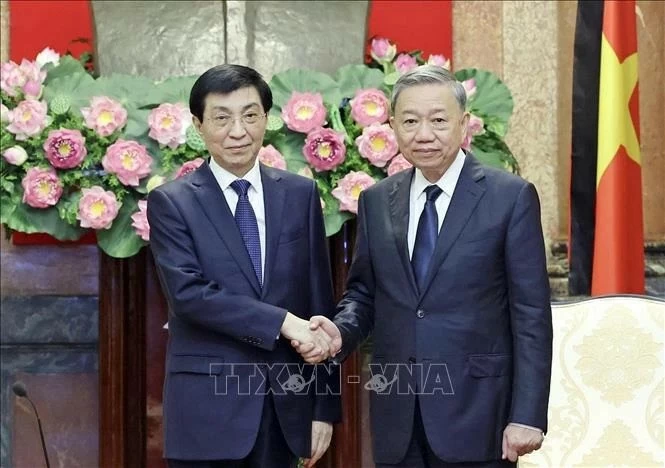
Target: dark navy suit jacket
{"type": "Point", "coordinates": [476, 343]}
{"type": "Point", "coordinates": [223, 352]}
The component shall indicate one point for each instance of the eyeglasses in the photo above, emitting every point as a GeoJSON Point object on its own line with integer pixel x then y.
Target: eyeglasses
{"type": "Point", "coordinates": [248, 119]}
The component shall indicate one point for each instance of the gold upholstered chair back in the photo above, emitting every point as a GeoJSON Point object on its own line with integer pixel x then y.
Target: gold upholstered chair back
{"type": "Point", "coordinates": [606, 402]}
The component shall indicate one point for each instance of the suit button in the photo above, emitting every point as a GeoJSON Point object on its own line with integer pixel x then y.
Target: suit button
{"type": "Point", "coordinates": [420, 313]}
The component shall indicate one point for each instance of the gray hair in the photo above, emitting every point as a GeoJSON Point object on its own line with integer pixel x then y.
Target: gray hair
{"type": "Point", "coordinates": [429, 74]}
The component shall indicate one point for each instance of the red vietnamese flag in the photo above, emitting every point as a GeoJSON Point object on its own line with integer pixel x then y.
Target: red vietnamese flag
{"type": "Point", "coordinates": [618, 260]}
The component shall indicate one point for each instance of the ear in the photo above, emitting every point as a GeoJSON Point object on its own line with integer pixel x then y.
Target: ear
{"type": "Point", "coordinates": [465, 122]}
{"type": "Point", "coordinates": [197, 123]}
{"type": "Point", "coordinates": [392, 122]}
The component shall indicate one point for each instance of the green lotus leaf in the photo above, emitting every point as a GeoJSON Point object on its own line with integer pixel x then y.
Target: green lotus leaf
{"type": "Point", "coordinates": [285, 83]}
{"type": "Point", "coordinates": [351, 78]}
{"type": "Point", "coordinates": [492, 98]}
{"type": "Point", "coordinates": [121, 240]}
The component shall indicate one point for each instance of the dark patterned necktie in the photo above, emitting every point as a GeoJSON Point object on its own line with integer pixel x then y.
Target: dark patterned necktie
{"type": "Point", "coordinates": [426, 235]}
{"type": "Point", "coordinates": [249, 228]}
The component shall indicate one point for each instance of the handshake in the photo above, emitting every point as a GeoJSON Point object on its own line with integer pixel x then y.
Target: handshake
{"type": "Point", "coordinates": [315, 340]}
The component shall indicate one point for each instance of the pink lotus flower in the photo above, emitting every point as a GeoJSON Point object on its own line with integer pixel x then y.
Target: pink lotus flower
{"type": "Point", "coordinates": [65, 148]}
{"type": "Point", "coordinates": [405, 63]}
{"type": "Point", "coordinates": [104, 115]}
{"type": "Point", "coordinates": [306, 172]}
{"type": "Point", "coordinates": [382, 50]}
{"type": "Point", "coordinates": [439, 60]}
{"type": "Point", "coordinates": [32, 90]}
{"type": "Point", "coordinates": [189, 166]}
{"type": "Point", "coordinates": [369, 106]}
{"type": "Point", "coordinates": [128, 160]}
{"type": "Point", "coordinates": [46, 56]}
{"type": "Point", "coordinates": [377, 144]}
{"type": "Point", "coordinates": [169, 123]}
{"type": "Point", "coordinates": [324, 149]}
{"type": "Point", "coordinates": [398, 164]}
{"type": "Point", "coordinates": [5, 114]}
{"type": "Point", "coordinates": [348, 190]}
{"type": "Point", "coordinates": [97, 208]}
{"type": "Point", "coordinates": [140, 221]}
{"type": "Point", "coordinates": [304, 112]}
{"type": "Point", "coordinates": [28, 119]}
{"type": "Point", "coordinates": [269, 156]}
{"type": "Point", "coordinates": [469, 87]}
{"type": "Point", "coordinates": [34, 77]}
{"type": "Point", "coordinates": [475, 127]}
{"type": "Point", "coordinates": [41, 187]}
{"type": "Point", "coordinates": [15, 155]}
{"type": "Point", "coordinates": [14, 78]}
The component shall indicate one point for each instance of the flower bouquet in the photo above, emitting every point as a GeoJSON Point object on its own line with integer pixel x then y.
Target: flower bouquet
{"type": "Point", "coordinates": [81, 154]}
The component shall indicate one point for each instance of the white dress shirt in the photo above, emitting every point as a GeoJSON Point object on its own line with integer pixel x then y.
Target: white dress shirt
{"type": "Point", "coordinates": [417, 196]}
{"type": "Point", "coordinates": [254, 194]}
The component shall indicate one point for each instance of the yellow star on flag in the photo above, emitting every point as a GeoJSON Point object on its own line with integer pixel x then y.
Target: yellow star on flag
{"type": "Point", "coordinates": [615, 124]}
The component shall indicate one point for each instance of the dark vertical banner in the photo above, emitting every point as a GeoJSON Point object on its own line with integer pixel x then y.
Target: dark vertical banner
{"type": "Point", "coordinates": [606, 225]}
{"type": "Point", "coordinates": [586, 80]}
{"type": "Point", "coordinates": [425, 25]}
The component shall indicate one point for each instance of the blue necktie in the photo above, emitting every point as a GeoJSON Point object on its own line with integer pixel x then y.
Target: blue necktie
{"type": "Point", "coordinates": [426, 235]}
{"type": "Point", "coordinates": [249, 228]}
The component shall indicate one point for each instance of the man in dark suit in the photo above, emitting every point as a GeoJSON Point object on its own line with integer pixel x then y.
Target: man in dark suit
{"type": "Point", "coordinates": [449, 276]}
{"type": "Point", "coordinates": [241, 253]}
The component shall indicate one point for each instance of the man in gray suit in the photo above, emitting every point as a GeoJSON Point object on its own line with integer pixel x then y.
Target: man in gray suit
{"type": "Point", "coordinates": [449, 276]}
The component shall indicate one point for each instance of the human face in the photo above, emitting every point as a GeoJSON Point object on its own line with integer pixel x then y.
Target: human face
{"type": "Point", "coordinates": [233, 128]}
{"type": "Point", "coordinates": [430, 127]}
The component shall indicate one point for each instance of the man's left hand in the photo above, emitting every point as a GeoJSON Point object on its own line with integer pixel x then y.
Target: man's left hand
{"type": "Point", "coordinates": [518, 441]}
{"type": "Point", "coordinates": [321, 435]}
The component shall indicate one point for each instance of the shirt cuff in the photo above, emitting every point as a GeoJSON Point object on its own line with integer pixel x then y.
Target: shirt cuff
{"type": "Point", "coordinates": [525, 426]}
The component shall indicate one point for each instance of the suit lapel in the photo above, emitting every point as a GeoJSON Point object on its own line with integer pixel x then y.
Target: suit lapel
{"type": "Point", "coordinates": [399, 214]}
{"type": "Point", "coordinates": [213, 203]}
{"type": "Point", "coordinates": [465, 199]}
{"type": "Point", "coordinates": [274, 194]}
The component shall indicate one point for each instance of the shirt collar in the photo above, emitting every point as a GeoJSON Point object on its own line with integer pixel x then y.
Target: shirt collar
{"type": "Point", "coordinates": [448, 180]}
{"type": "Point", "coordinates": [225, 178]}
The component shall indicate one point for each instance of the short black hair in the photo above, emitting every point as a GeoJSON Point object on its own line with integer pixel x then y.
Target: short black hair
{"type": "Point", "coordinates": [225, 79]}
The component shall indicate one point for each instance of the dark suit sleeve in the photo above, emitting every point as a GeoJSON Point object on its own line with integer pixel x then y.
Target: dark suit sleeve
{"type": "Point", "coordinates": [328, 404]}
{"type": "Point", "coordinates": [196, 299]}
{"type": "Point", "coordinates": [530, 311]}
{"type": "Point", "coordinates": [355, 312]}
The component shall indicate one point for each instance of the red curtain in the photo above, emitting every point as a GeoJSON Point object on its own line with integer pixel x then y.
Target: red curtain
{"type": "Point", "coordinates": [425, 25]}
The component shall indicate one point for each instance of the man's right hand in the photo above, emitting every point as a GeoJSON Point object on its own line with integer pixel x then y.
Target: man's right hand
{"type": "Point", "coordinates": [317, 342]}
{"type": "Point", "coordinates": [322, 325]}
